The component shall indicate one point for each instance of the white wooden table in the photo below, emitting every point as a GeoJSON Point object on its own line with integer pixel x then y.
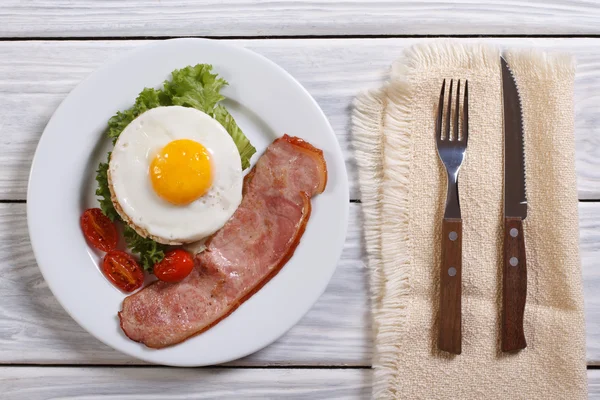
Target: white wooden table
{"type": "Point", "coordinates": [334, 48]}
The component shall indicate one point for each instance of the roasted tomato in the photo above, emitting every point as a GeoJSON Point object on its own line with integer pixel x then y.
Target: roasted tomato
{"type": "Point", "coordinates": [176, 265]}
{"type": "Point", "coordinates": [122, 270]}
{"type": "Point", "coordinates": [99, 230]}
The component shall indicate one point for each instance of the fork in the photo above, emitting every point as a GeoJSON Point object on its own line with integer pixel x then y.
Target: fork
{"type": "Point", "coordinates": [451, 149]}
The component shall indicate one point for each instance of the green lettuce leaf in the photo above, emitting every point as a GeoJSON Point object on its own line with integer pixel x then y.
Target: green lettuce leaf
{"type": "Point", "coordinates": [150, 252]}
{"type": "Point", "coordinates": [103, 192]}
{"type": "Point", "coordinates": [147, 99]}
{"type": "Point", "coordinates": [193, 86]}
{"type": "Point", "coordinates": [241, 141]}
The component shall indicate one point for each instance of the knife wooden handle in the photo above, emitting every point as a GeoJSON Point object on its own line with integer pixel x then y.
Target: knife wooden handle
{"type": "Point", "coordinates": [514, 289]}
{"type": "Point", "coordinates": [450, 335]}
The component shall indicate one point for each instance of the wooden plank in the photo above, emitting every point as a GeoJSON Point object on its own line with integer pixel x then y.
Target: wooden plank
{"type": "Point", "coordinates": [35, 383]}
{"type": "Point", "coordinates": [589, 228]}
{"type": "Point", "coordinates": [69, 18]}
{"type": "Point", "coordinates": [35, 329]}
{"type": "Point", "coordinates": [36, 76]}
{"type": "Point", "coordinates": [593, 384]}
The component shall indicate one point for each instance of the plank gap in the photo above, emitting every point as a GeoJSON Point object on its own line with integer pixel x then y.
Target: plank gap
{"type": "Point", "coordinates": [296, 37]}
{"type": "Point", "coordinates": [266, 366]}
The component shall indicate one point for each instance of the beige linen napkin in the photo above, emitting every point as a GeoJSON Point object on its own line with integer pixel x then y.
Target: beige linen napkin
{"type": "Point", "coordinates": [403, 193]}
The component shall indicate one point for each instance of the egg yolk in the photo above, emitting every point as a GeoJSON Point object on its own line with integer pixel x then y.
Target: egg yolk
{"type": "Point", "coordinates": [181, 172]}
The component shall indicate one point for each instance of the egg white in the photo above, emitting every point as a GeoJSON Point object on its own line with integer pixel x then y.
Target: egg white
{"type": "Point", "coordinates": [131, 187]}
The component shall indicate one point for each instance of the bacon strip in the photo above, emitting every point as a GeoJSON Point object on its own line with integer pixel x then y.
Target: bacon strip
{"type": "Point", "coordinates": [240, 258]}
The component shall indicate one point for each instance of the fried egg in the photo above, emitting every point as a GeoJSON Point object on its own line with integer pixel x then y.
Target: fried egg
{"type": "Point", "coordinates": [175, 175]}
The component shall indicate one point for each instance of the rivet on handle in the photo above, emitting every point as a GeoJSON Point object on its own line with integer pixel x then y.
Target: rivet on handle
{"type": "Point", "coordinates": [514, 232]}
{"type": "Point", "coordinates": [513, 261]}
{"type": "Point", "coordinates": [453, 236]}
{"type": "Point", "coordinates": [452, 271]}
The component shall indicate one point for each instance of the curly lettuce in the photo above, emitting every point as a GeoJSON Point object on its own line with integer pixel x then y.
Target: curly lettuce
{"type": "Point", "coordinates": [193, 86]}
{"type": "Point", "coordinates": [146, 100]}
{"type": "Point", "coordinates": [103, 193]}
{"type": "Point", "coordinates": [241, 141]}
{"type": "Point", "coordinates": [150, 252]}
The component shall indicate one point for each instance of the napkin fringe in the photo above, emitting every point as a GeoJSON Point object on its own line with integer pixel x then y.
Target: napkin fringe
{"type": "Point", "coordinates": [367, 120]}
{"type": "Point", "coordinates": [389, 287]}
{"type": "Point", "coordinates": [448, 52]}
{"type": "Point", "coordinates": [540, 65]}
{"type": "Point", "coordinates": [395, 238]}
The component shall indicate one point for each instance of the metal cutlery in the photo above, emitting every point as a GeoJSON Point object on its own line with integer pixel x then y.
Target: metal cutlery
{"type": "Point", "coordinates": [514, 290]}
{"type": "Point", "coordinates": [451, 147]}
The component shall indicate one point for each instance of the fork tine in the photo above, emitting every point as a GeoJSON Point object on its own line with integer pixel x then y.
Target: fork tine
{"type": "Point", "coordinates": [466, 113]}
{"type": "Point", "coordinates": [456, 113]}
{"type": "Point", "coordinates": [448, 115]}
{"type": "Point", "coordinates": [438, 123]}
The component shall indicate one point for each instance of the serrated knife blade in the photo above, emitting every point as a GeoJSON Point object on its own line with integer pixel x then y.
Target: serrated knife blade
{"type": "Point", "coordinates": [514, 289]}
{"type": "Point", "coordinates": [515, 195]}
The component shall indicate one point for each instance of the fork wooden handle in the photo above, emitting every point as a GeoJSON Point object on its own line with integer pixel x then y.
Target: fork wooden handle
{"type": "Point", "coordinates": [514, 289]}
{"type": "Point", "coordinates": [450, 335]}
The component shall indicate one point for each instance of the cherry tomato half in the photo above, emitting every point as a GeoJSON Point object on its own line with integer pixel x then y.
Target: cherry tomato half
{"type": "Point", "coordinates": [176, 265]}
{"type": "Point", "coordinates": [122, 270]}
{"type": "Point", "coordinates": [99, 230]}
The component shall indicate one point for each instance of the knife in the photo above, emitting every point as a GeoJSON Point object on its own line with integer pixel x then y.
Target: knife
{"type": "Point", "coordinates": [514, 279]}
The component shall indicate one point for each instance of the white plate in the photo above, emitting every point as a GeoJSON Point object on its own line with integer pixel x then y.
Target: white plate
{"type": "Point", "coordinates": [266, 102]}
